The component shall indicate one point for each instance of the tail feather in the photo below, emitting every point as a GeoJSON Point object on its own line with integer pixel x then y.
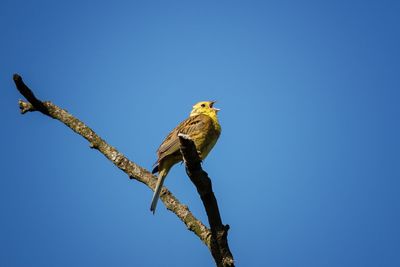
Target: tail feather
{"type": "Point", "coordinates": [161, 177]}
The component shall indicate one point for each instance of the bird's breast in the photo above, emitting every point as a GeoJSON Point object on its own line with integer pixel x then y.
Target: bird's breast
{"type": "Point", "coordinates": [206, 141]}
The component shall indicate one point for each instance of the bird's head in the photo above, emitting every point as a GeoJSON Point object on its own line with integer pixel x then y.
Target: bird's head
{"type": "Point", "coordinates": [206, 108]}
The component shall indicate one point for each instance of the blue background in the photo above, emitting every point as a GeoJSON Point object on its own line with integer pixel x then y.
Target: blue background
{"type": "Point", "coordinates": [307, 168]}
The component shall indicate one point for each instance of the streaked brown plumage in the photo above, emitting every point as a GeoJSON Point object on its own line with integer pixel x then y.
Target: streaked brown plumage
{"type": "Point", "coordinates": [202, 127]}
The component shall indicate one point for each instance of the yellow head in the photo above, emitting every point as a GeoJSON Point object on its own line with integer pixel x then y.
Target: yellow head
{"type": "Point", "coordinates": [206, 108]}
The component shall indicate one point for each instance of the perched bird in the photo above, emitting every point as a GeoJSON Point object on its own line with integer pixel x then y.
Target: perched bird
{"type": "Point", "coordinates": [202, 127]}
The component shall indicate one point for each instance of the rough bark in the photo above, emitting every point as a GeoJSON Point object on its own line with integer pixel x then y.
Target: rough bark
{"type": "Point", "coordinates": [215, 239]}
{"type": "Point", "coordinates": [219, 232]}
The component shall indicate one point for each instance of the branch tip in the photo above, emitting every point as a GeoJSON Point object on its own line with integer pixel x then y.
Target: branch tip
{"type": "Point", "coordinates": [28, 94]}
{"type": "Point", "coordinates": [25, 106]}
{"type": "Point", "coordinates": [16, 77]}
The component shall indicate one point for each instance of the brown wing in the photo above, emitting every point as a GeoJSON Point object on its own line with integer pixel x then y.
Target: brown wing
{"type": "Point", "coordinates": [188, 126]}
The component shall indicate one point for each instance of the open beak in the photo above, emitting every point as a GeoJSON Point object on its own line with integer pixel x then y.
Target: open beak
{"type": "Point", "coordinates": [212, 105]}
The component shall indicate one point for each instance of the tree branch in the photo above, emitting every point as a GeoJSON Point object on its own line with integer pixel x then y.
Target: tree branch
{"type": "Point", "coordinates": [219, 232]}
{"type": "Point", "coordinates": [133, 170]}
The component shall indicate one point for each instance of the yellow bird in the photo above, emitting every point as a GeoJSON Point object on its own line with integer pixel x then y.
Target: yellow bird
{"type": "Point", "coordinates": [202, 127]}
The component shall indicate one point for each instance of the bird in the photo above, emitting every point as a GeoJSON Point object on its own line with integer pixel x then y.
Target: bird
{"type": "Point", "coordinates": [202, 127]}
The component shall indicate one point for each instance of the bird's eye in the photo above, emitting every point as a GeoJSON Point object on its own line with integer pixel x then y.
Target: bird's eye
{"type": "Point", "coordinates": [203, 105]}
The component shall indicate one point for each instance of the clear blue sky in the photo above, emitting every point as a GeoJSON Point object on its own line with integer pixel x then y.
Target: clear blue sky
{"type": "Point", "coordinates": [307, 168]}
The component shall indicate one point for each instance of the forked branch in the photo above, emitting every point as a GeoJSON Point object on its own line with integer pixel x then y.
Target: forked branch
{"type": "Point", "coordinates": [215, 239]}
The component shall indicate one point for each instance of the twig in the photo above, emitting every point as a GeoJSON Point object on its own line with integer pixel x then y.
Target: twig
{"type": "Point", "coordinates": [219, 241]}
{"type": "Point", "coordinates": [28, 94]}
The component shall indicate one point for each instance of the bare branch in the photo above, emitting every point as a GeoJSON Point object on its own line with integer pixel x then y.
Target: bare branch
{"type": "Point", "coordinates": [219, 239]}
{"type": "Point", "coordinates": [133, 170]}
{"type": "Point", "coordinates": [28, 94]}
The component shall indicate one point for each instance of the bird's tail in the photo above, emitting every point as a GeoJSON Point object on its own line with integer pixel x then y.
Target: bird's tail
{"type": "Point", "coordinates": [161, 177]}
